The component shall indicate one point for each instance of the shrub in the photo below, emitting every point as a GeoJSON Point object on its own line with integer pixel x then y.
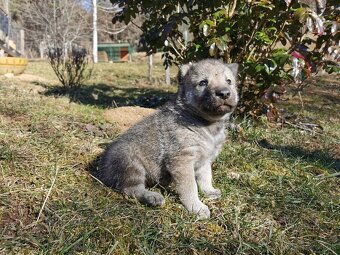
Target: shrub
{"type": "Point", "coordinates": [276, 42]}
{"type": "Point", "coordinates": [71, 67]}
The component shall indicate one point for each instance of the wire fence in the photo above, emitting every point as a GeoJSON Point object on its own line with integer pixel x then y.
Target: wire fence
{"type": "Point", "coordinates": [11, 34]}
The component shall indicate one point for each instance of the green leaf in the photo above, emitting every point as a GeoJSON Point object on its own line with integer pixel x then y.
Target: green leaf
{"type": "Point", "coordinates": [302, 14]}
{"type": "Point", "coordinates": [197, 46]}
{"type": "Point", "coordinates": [281, 57]}
{"type": "Point", "coordinates": [272, 29]}
{"type": "Point", "coordinates": [266, 5]}
{"type": "Point", "coordinates": [259, 84]}
{"type": "Point", "coordinates": [209, 22]}
{"type": "Point", "coordinates": [263, 37]}
{"type": "Point", "coordinates": [219, 13]}
{"type": "Point", "coordinates": [202, 24]}
{"type": "Point", "coordinates": [221, 44]}
{"type": "Point", "coordinates": [331, 68]}
{"type": "Point", "coordinates": [259, 68]}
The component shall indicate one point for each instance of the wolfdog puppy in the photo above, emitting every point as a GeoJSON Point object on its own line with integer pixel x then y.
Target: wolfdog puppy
{"type": "Point", "coordinates": [178, 143]}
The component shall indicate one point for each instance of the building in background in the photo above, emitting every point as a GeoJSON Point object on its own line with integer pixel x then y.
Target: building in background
{"type": "Point", "coordinates": [115, 52]}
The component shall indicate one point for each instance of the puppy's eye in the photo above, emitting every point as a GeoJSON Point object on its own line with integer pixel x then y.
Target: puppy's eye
{"type": "Point", "coordinates": [229, 81]}
{"type": "Point", "coordinates": [203, 83]}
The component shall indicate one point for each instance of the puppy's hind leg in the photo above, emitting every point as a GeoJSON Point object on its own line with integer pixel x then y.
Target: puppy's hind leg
{"type": "Point", "coordinates": [134, 186]}
{"type": "Point", "coordinates": [144, 196]}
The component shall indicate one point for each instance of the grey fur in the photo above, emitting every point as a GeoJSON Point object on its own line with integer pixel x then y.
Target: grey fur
{"type": "Point", "coordinates": [178, 143]}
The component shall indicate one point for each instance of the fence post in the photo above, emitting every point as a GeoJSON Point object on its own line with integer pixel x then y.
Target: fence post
{"type": "Point", "coordinates": [167, 75]}
{"type": "Point", "coordinates": [150, 67]}
{"type": "Point", "coordinates": [22, 42]}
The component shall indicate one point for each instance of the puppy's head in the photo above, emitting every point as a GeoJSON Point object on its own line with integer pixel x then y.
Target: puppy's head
{"type": "Point", "coordinates": [208, 88]}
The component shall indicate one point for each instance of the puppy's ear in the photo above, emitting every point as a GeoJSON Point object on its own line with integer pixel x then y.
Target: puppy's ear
{"type": "Point", "coordinates": [233, 68]}
{"type": "Point", "coordinates": [184, 70]}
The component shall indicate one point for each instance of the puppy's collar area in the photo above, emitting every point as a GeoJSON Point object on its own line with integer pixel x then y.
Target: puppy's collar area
{"type": "Point", "coordinates": [188, 112]}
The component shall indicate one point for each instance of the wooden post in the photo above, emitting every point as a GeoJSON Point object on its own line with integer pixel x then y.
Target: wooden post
{"type": "Point", "coordinates": [22, 42]}
{"type": "Point", "coordinates": [150, 68]}
{"type": "Point", "coordinates": [167, 75]}
{"type": "Point", "coordinates": [130, 50]}
{"type": "Point", "coordinates": [41, 50]}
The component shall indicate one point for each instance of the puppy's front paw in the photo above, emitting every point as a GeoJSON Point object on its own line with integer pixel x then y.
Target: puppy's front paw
{"type": "Point", "coordinates": [201, 210]}
{"type": "Point", "coordinates": [213, 194]}
{"type": "Point", "coordinates": [203, 213]}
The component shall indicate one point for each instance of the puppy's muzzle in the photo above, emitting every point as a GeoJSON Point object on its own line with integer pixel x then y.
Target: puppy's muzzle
{"type": "Point", "coordinates": [223, 94]}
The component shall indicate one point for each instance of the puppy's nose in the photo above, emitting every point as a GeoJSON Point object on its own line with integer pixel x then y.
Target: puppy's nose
{"type": "Point", "coordinates": [223, 94]}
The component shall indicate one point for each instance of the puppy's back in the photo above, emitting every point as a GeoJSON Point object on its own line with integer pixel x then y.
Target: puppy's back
{"type": "Point", "coordinates": [141, 152]}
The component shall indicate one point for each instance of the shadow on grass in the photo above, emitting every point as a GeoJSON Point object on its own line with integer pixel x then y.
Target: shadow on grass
{"type": "Point", "coordinates": [104, 95]}
{"type": "Point", "coordinates": [93, 166]}
{"type": "Point", "coordinates": [318, 157]}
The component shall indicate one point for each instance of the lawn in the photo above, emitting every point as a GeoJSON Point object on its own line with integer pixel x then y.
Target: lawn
{"type": "Point", "coordinates": [280, 185]}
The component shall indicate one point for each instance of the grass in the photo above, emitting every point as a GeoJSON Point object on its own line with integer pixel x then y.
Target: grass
{"type": "Point", "coordinates": [117, 84]}
{"type": "Point", "coordinates": [280, 193]}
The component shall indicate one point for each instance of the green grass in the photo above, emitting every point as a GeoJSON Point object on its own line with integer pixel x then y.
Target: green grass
{"type": "Point", "coordinates": [280, 195]}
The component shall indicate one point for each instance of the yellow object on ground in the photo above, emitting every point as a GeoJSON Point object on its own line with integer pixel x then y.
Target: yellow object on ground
{"type": "Point", "coordinates": [12, 65]}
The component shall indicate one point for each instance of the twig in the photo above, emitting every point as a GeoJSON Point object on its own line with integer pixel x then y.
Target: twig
{"type": "Point", "coordinates": [48, 193]}
{"type": "Point", "coordinates": [182, 45]}
{"type": "Point", "coordinates": [97, 179]}
{"type": "Point", "coordinates": [323, 176]}
{"type": "Point", "coordinates": [311, 125]}
{"type": "Point", "coordinates": [232, 10]}
{"type": "Point", "coordinates": [302, 105]}
{"type": "Point", "coordinates": [114, 103]}
{"type": "Point", "coordinates": [251, 53]}
{"type": "Point", "coordinates": [300, 127]}
{"type": "Point", "coordinates": [173, 45]}
{"type": "Point", "coordinates": [252, 34]}
{"type": "Point", "coordinates": [136, 25]}
{"type": "Point", "coordinates": [273, 44]}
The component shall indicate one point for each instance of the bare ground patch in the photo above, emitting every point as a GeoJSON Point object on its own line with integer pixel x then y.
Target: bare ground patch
{"type": "Point", "coordinates": [125, 117]}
